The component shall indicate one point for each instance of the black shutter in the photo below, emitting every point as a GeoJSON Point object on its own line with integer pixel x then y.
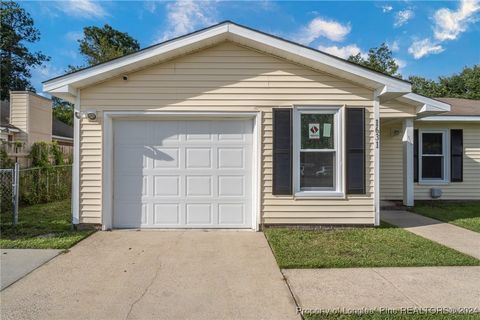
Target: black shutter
{"type": "Point", "coordinates": [355, 140]}
{"type": "Point", "coordinates": [456, 155]}
{"type": "Point", "coordinates": [415, 155]}
{"type": "Point", "coordinates": [282, 151]}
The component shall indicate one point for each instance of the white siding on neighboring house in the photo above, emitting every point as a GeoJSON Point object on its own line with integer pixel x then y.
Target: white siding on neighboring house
{"type": "Point", "coordinates": [19, 114]}
{"type": "Point", "coordinates": [229, 77]}
{"type": "Point", "coordinates": [40, 125]}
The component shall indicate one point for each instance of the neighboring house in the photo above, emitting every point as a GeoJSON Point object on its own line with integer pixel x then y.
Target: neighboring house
{"type": "Point", "coordinates": [229, 127]}
{"type": "Point", "coordinates": [27, 118]}
{"type": "Point", "coordinates": [446, 154]}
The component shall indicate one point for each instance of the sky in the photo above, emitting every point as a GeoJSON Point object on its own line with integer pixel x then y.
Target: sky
{"type": "Point", "coordinates": [428, 38]}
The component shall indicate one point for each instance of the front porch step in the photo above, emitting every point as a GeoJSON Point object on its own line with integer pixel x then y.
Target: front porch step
{"type": "Point", "coordinates": [392, 205]}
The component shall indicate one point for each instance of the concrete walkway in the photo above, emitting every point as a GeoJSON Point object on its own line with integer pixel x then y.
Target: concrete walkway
{"type": "Point", "coordinates": [156, 275]}
{"type": "Point", "coordinates": [16, 263]}
{"type": "Point", "coordinates": [395, 288]}
{"type": "Point", "coordinates": [457, 238]}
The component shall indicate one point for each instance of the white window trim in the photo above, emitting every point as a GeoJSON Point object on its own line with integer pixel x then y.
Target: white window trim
{"type": "Point", "coordinates": [339, 156]}
{"type": "Point", "coordinates": [446, 158]}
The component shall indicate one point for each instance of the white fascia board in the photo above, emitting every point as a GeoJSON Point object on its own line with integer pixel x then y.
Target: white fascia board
{"type": "Point", "coordinates": [451, 118]}
{"type": "Point", "coordinates": [313, 58]}
{"type": "Point", "coordinates": [257, 40]}
{"type": "Point", "coordinates": [61, 138]}
{"type": "Point", "coordinates": [136, 60]}
{"type": "Point", "coordinates": [425, 104]}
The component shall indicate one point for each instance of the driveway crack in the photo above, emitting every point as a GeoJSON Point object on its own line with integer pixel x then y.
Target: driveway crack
{"type": "Point", "coordinates": [157, 272]}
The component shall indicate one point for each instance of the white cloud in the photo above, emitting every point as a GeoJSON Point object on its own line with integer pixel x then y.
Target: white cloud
{"type": "Point", "coordinates": [320, 27]}
{"type": "Point", "coordinates": [401, 63]}
{"type": "Point", "coordinates": [402, 17]}
{"type": "Point", "coordinates": [343, 52]}
{"type": "Point", "coordinates": [82, 8]}
{"type": "Point", "coordinates": [150, 5]}
{"type": "Point", "coordinates": [74, 36]}
{"type": "Point", "coordinates": [184, 16]}
{"type": "Point", "coordinates": [394, 46]}
{"type": "Point", "coordinates": [425, 47]}
{"type": "Point", "coordinates": [387, 8]}
{"type": "Point", "coordinates": [42, 73]}
{"type": "Point", "coordinates": [450, 24]}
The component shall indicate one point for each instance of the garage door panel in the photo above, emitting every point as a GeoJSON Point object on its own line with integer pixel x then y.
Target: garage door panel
{"type": "Point", "coordinates": [186, 174]}
{"type": "Point", "coordinates": [198, 158]}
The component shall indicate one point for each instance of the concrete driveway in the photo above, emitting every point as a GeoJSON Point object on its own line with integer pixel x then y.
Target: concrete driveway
{"type": "Point", "coordinates": [156, 275]}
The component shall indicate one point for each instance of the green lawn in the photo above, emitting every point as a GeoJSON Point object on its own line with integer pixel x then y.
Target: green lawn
{"type": "Point", "coordinates": [384, 246]}
{"type": "Point", "coordinates": [43, 226]}
{"type": "Point", "coordinates": [462, 214]}
{"type": "Point", "coordinates": [396, 316]}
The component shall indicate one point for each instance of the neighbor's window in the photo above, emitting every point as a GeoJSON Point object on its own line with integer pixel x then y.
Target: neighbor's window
{"type": "Point", "coordinates": [317, 151]}
{"type": "Point", "coordinates": [433, 155]}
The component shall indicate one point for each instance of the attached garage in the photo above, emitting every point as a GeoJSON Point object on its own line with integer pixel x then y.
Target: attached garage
{"type": "Point", "coordinates": [227, 127]}
{"type": "Point", "coordinates": [183, 173]}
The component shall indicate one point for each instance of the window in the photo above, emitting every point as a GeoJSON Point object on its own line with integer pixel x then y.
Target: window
{"type": "Point", "coordinates": [433, 159]}
{"type": "Point", "coordinates": [317, 156]}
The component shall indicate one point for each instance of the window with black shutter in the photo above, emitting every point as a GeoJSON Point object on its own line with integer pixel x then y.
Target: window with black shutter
{"type": "Point", "coordinates": [282, 151]}
{"type": "Point", "coordinates": [355, 148]}
{"type": "Point", "coordinates": [456, 155]}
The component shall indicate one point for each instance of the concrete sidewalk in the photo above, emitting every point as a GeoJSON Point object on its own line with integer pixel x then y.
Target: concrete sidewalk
{"type": "Point", "coordinates": [457, 238]}
{"type": "Point", "coordinates": [16, 263]}
{"type": "Point", "coordinates": [395, 288]}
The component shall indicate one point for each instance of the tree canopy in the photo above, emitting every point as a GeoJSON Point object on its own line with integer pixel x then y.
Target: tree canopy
{"type": "Point", "coordinates": [102, 44]}
{"type": "Point", "coordinates": [379, 59]}
{"type": "Point", "coordinates": [17, 27]}
{"type": "Point", "coordinates": [465, 84]}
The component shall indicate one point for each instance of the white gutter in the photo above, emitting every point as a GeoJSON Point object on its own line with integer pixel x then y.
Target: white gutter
{"type": "Point", "coordinates": [451, 118]}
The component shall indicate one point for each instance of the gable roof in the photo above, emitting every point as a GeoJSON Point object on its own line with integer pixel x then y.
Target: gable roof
{"type": "Point", "coordinates": [66, 86]}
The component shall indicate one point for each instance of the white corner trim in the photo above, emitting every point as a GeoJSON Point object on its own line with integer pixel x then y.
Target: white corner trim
{"type": "Point", "coordinates": [76, 164]}
{"type": "Point", "coordinates": [451, 118]}
{"type": "Point", "coordinates": [408, 163]}
{"type": "Point", "coordinates": [376, 156]}
{"type": "Point", "coordinates": [107, 160]}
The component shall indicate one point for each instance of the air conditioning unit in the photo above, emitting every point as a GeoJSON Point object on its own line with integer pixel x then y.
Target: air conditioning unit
{"type": "Point", "coordinates": [435, 193]}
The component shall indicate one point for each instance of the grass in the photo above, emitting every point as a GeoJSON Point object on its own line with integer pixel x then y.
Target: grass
{"type": "Point", "coordinates": [394, 316]}
{"type": "Point", "coordinates": [462, 214]}
{"type": "Point", "coordinates": [384, 246]}
{"type": "Point", "coordinates": [42, 226]}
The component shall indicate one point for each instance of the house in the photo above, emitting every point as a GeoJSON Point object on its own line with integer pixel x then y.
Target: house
{"type": "Point", "coordinates": [229, 127]}
{"type": "Point", "coordinates": [27, 118]}
{"type": "Point", "coordinates": [446, 154]}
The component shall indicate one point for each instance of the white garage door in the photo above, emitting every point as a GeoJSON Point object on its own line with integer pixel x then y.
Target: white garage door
{"type": "Point", "coordinates": [183, 174]}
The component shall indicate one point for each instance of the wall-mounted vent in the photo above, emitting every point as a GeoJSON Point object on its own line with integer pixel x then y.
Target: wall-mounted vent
{"type": "Point", "coordinates": [435, 193]}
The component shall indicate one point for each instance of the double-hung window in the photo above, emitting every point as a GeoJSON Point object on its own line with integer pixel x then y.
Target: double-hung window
{"type": "Point", "coordinates": [433, 156]}
{"type": "Point", "coordinates": [317, 156]}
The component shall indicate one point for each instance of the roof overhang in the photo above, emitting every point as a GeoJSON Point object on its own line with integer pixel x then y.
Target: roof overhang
{"type": "Point", "coordinates": [451, 118]}
{"type": "Point", "coordinates": [424, 106]}
{"type": "Point", "coordinates": [66, 86]}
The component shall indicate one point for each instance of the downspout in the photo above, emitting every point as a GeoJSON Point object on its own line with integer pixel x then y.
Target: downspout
{"type": "Point", "coordinates": [76, 163]}
{"type": "Point", "coordinates": [376, 155]}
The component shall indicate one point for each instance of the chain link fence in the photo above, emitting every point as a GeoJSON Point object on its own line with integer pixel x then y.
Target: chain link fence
{"type": "Point", "coordinates": [6, 190]}
{"type": "Point", "coordinates": [33, 186]}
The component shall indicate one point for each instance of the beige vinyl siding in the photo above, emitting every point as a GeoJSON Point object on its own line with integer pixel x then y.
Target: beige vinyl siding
{"type": "Point", "coordinates": [40, 127]}
{"type": "Point", "coordinates": [228, 77]}
{"type": "Point", "coordinates": [469, 189]}
{"type": "Point", "coordinates": [391, 162]}
{"type": "Point", "coordinates": [19, 114]}
{"type": "Point", "coordinates": [396, 109]}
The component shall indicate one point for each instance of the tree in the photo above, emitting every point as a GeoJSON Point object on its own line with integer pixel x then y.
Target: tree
{"type": "Point", "coordinates": [102, 44]}
{"type": "Point", "coordinates": [63, 110]}
{"type": "Point", "coordinates": [17, 27]}
{"type": "Point", "coordinates": [379, 59]}
{"type": "Point", "coordinates": [466, 85]}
